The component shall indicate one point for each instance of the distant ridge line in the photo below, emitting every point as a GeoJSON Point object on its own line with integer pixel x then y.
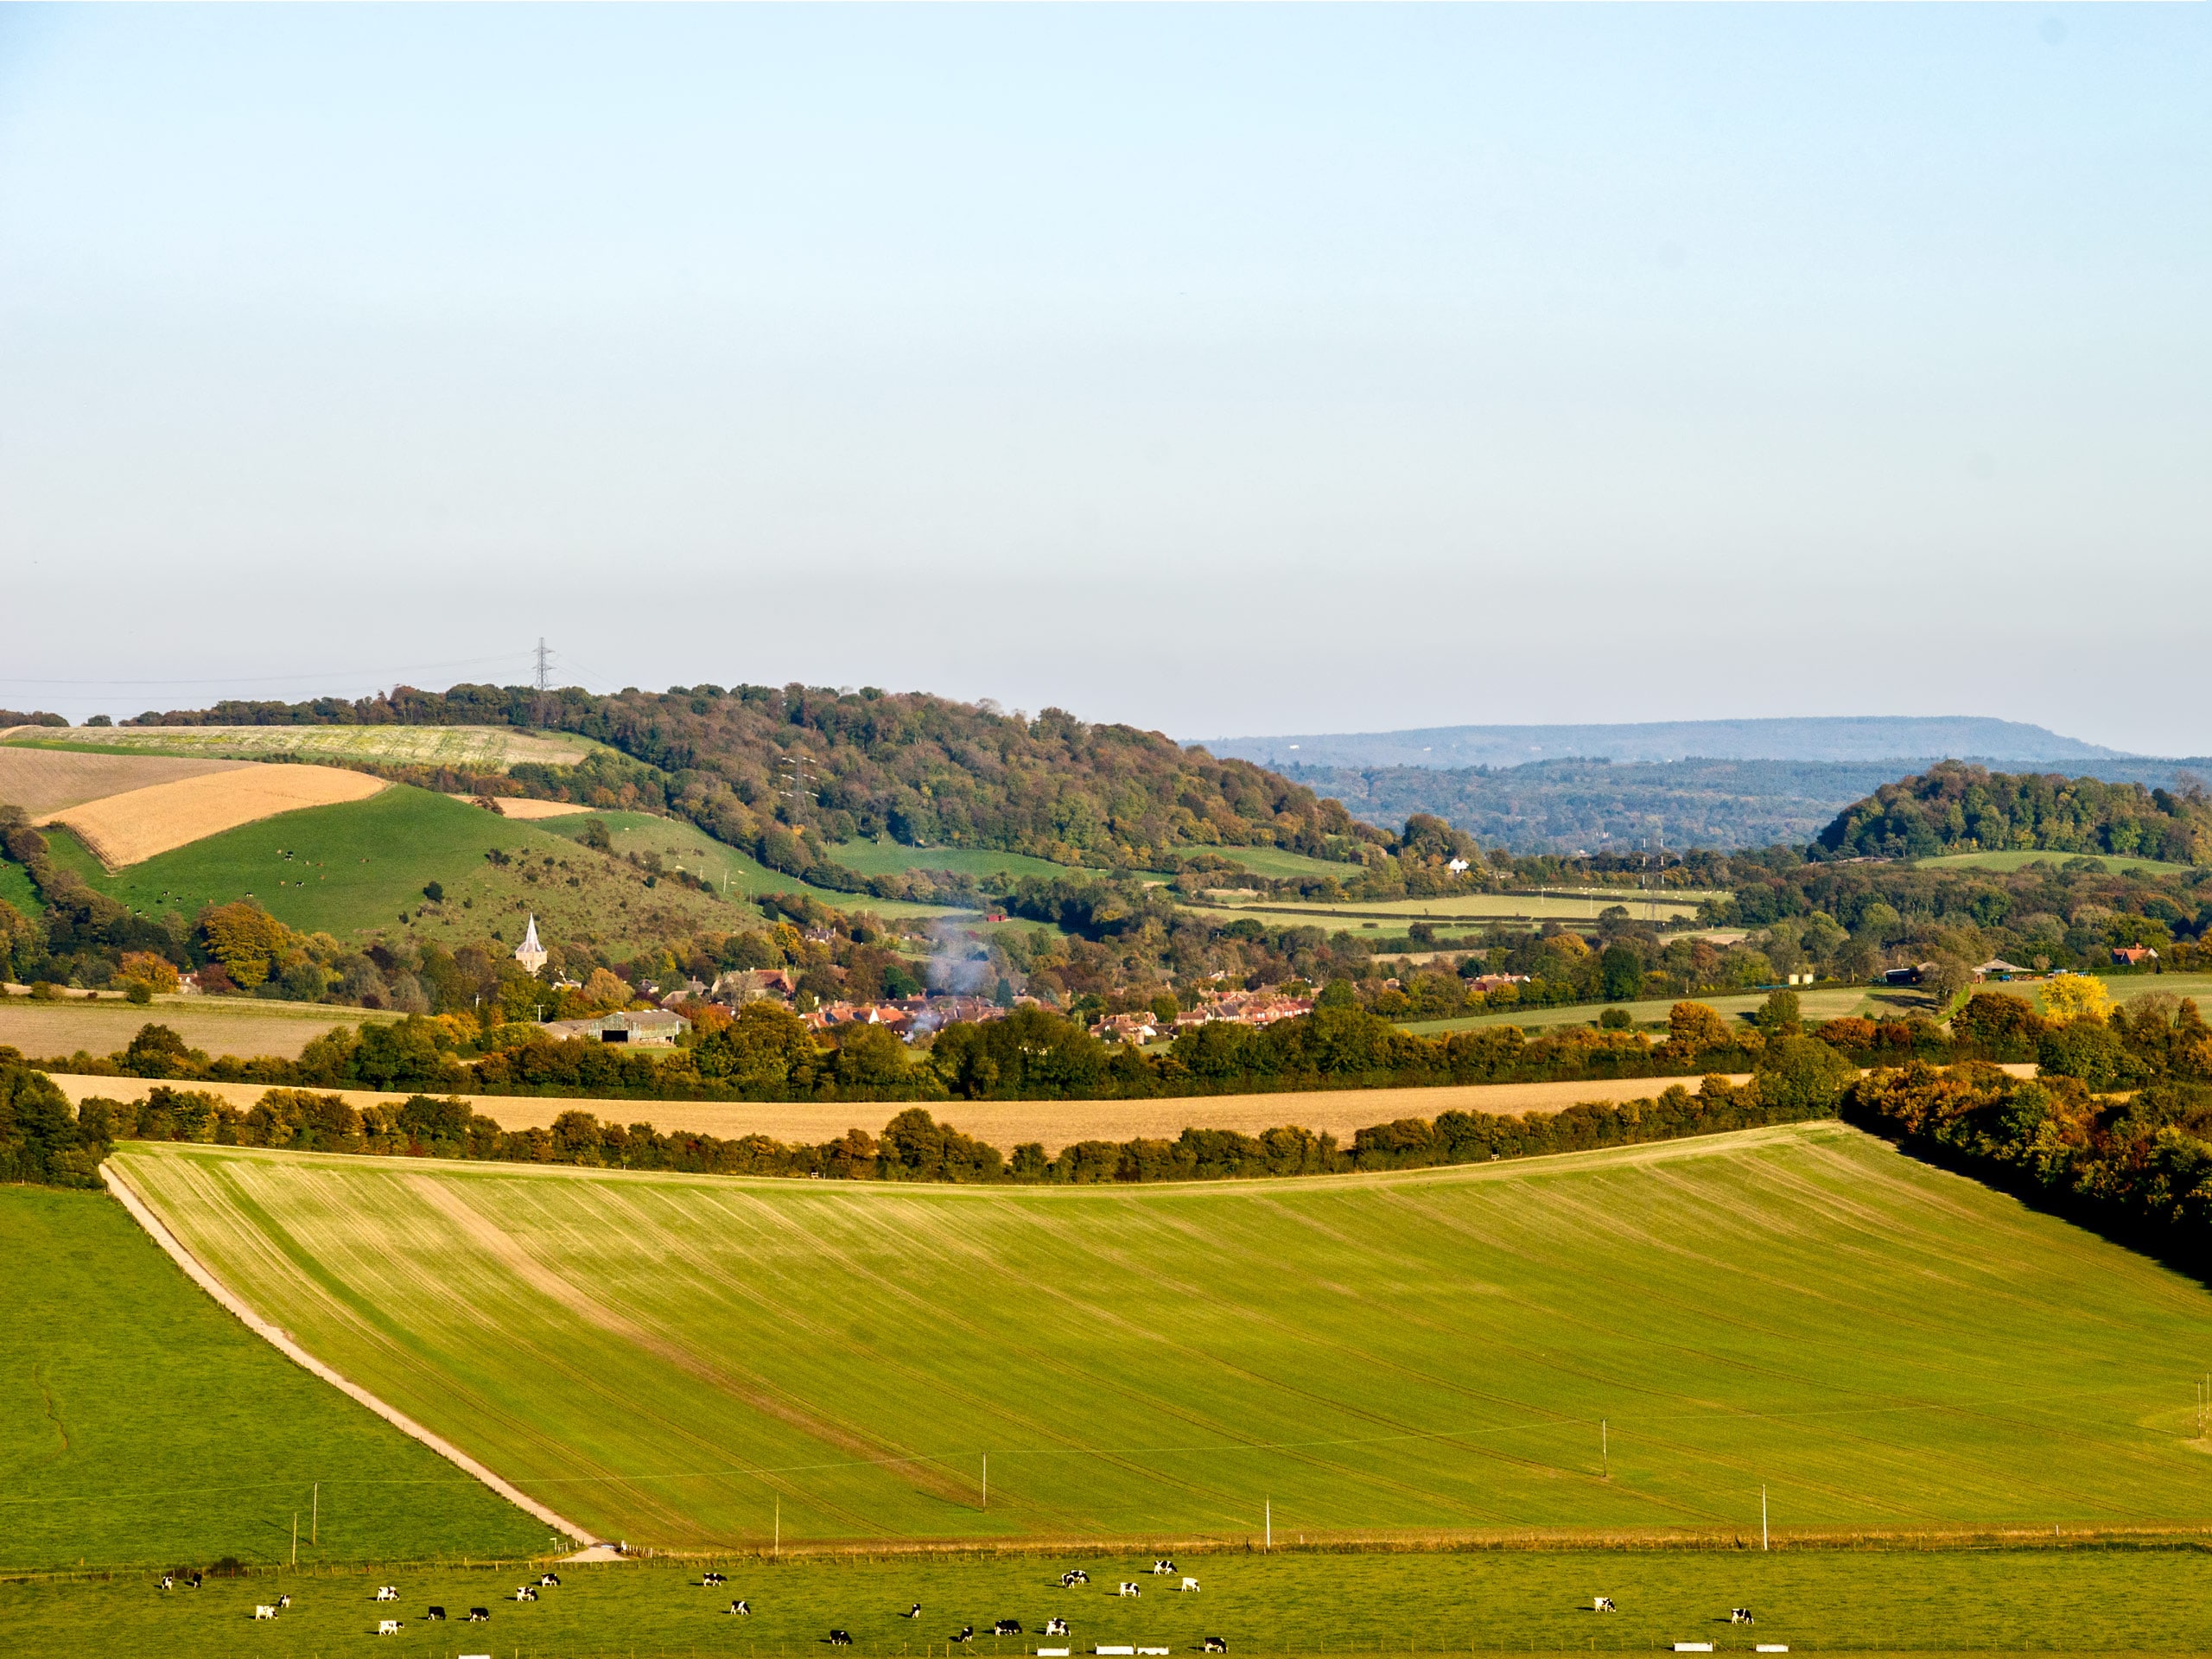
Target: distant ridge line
{"type": "Point", "coordinates": [1865, 739]}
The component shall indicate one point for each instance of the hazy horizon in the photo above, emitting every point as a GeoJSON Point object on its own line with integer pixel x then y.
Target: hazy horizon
{"type": "Point", "coordinates": [1221, 370]}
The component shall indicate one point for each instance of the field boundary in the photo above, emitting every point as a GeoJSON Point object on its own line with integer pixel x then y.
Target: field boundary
{"type": "Point", "coordinates": [224, 1298]}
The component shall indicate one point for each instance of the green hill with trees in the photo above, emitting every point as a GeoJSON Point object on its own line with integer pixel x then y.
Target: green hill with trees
{"type": "Point", "coordinates": [1956, 808]}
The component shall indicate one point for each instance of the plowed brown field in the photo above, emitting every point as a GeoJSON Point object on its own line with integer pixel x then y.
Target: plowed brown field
{"type": "Point", "coordinates": [44, 780]}
{"type": "Point", "coordinates": [125, 829]}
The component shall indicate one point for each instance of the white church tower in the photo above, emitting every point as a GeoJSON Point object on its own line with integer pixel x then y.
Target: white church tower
{"type": "Point", "coordinates": [530, 952]}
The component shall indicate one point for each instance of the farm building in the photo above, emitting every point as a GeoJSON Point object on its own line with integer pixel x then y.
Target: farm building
{"type": "Point", "coordinates": [654, 1028]}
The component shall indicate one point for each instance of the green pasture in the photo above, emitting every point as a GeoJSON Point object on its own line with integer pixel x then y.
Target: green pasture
{"type": "Point", "coordinates": [2116, 863]}
{"type": "Point", "coordinates": [17, 888]}
{"type": "Point", "coordinates": [1815, 1005]}
{"type": "Point", "coordinates": [139, 1423]}
{"type": "Point", "coordinates": [889, 858]}
{"type": "Point", "coordinates": [737, 874]}
{"type": "Point", "coordinates": [1289, 1601]}
{"type": "Point", "coordinates": [1471, 908]}
{"type": "Point", "coordinates": [464, 748]}
{"type": "Point", "coordinates": [690, 1361]}
{"type": "Point", "coordinates": [355, 867]}
{"type": "Point", "coordinates": [1283, 865]}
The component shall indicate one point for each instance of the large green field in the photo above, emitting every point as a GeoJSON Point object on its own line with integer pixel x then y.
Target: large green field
{"type": "Point", "coordinates": [685, 846]}
{"type": "Point", "coordinates": [473, 749]}
{"type": "Point", "coordinates": [356, 868]}
{"type": "Point", "coordinates": [1286, 1602]}
{"type": "Point", "coordinates": [1879, 1346]}
{"type": "Point", "coordinates": [139, 1423]}
{"type": "Point", "coordinates": [2117, 864]}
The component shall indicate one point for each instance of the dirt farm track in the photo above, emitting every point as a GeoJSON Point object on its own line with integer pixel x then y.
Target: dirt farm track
{"type": "Point", "coordinates": [1004, 1123]}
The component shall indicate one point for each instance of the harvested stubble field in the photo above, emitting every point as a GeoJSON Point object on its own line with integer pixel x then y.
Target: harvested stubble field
{"type": "Point", "coordinates": [1883, 1347]}
{"type": "Point", "coordinates": [141, 1424]}
{"type": "Point", "coordinates": [464, 748]}
{"type": "Point", "coordinates": [45, 781]}
{"type": "Point", "coordinates": [1004, 1123]}
{"type": "Point", "coordinates": [220, 1025]}
{"type": "Point", "coordinates": [523, 807]}
{"type": "Point", "coordinates": [131, 828]}
{"type": "Point", "coordinates": [1286, 1602]}
{"type": "Point", "coordinates": [1466, 907]}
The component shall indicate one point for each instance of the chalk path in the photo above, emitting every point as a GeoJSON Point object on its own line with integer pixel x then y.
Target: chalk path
{"type": "Point", "coordinates": [119, 1185]}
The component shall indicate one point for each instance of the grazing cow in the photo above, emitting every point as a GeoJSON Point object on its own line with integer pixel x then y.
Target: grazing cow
{"type": "Point", "coordinates": [478, 1615]}
{"type": "Point", "coordinates": [1159, 1567]}
{"type": "Point", "coordinates": [967, 1633]}
{"type": "Point", "coordinates": [550, 1579]}
{"type": "Point", "coordinates": [1602, 1604]}
{"type": "Point", "coordinates": [284, 1601]}
{"type": "Point", "coordinates": [742, 1609]}
{"type": "Point", "coordinates": [841, 1639]}
{"type": "Point", "coordinates": [436, 1615]}
{"type": "Point", "coordinates": [1073, 1576]}
{"type": "Point", "coordinates": [1741, 1616]}
{"type": "Point", "coordinates": [169, 1580]}
{"type": "Point", "coordinates": [264, 1612]}
{"type": "Point", "coordinates": [1056, 1627]}
{"type": "Point", "coordinates": [387, 1627]}
{"type": "Point", "coordinates": [1190, 1583]}
{"type": "Point", "coordinates": [1006, 1627]}
{"type": "Point", "coordinates": [528, 1592]}
{"type": "Point", "coordinates": [708, 1580]}
{"type": "Point", "coordinates": [1214, 1644]}
{"type": "Point", "coordinates": [387, 1592]}
{"type": "Point", "coordinates": [1128, 1587]}
{"type": "Point", "coordinates": [192, 1583]}
{"type": "Point", "coordinates": [914, 1611]}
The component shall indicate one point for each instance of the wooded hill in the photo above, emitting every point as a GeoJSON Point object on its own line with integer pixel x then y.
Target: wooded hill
{"type": "Point", "coordinates": [783, 774]}
{"type": "Point", "coordinates": [1954, 808]}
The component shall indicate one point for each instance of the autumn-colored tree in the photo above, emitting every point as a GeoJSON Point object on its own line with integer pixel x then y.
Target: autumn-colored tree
{"type": "Point", "coordinates": [246, 939]}
{"type": "Point", "coordinates": [2069, 996]}
{"type": "Point", "coordinates": [1694, 1029]}
{"type": "Point", "coordinates": [155, 972]}
{"type": "Point", "coordinates": [606, 990]}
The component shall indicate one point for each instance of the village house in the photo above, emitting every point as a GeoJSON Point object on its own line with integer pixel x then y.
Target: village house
{"type": "Point", "coordinates": [2132, 955]}
{"type": "Point", "coordinates": [744, 985]}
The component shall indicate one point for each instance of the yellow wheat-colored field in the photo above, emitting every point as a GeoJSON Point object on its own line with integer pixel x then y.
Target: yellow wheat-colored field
{"type": "Point", "coordinates": [518, 806]}
{"type": "Point", "coordinates": [125, 829]}
{"type": "Point", "coordinates": [1004, 1123]}
{"type": "Point", "coordinates": [46, 781]}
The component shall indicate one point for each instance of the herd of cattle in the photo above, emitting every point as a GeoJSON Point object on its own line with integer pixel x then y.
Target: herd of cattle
{"type": "Point", "coordinates": [1055, 1626]}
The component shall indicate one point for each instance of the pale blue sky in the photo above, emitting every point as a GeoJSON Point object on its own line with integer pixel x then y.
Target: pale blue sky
{"type": "Point", "coordinates": [1222, 369]}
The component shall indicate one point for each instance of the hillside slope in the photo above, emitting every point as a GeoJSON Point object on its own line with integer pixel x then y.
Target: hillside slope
{"type": "Point", "coordinates": [1880, 1345]}
{"type": "Point", "coordinates": [784, 773]}
{"type": "Point", "coordinates": [1952, 808]}
{"type": "Point", "coordinates": [140, 1424]}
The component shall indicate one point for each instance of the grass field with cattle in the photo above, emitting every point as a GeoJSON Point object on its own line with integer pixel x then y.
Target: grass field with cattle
{"type": "Point", "coordinates": [1291, 1602]}
{"type": "Point", "coordinates": [1626, 1344]}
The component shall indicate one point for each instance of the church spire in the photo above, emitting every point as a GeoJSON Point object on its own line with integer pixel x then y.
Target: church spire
{"type": "Point", "coordinates": [530, 953]}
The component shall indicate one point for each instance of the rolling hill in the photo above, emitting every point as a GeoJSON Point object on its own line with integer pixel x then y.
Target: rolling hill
{"type": "Point", "coordinates": [360, 869]}
{"type": "Point", "coordinates": [1884, 1348]}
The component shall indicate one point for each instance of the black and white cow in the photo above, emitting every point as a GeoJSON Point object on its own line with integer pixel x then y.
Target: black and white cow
{"type": "Point", "coordinates": [265, 1611]}
{"type": "Point", "coordinates": [550, 1581]}
{"type": "Point", "coordinates": [1602, 1604]}
{"type": "Point", "coordinates": [1006, 1627]}
{"type": "Point", "coordinates": [742, 1609]}
{"type": "Point", "coordinates": [1127, 1587]}
{"type": "Point", "coordinates": [1073, 1576]}
{"type": "Point", "coordinates": [708, 1580]}
{"type": "Point", "coordinates": [841, 1638]}
{"type": "Point", "coordinates": [478, 1615]}
{"type": "Point", "coordinates": [169, 1580]}
{"type": "Point", "coordinates": [1214, 1644]}
{"type": "Point", "coordinates": [387, 1592]}
{"type": "Point", "coordinates": [1056, 1627]}
{"type": "Point", "coordinates": [527, 1592]}
{"type": "Point", "coordinates": [1161, 1567]}
{"type": "Point", "coordinates": [283, 1602]}
{"type": "Point", "coordinates": [436, 1615]}
{"type": "Point", "coordinates": [914, 1611]}
{"type": "Point", "coordinates": [967, 1633]}
{"type": "Point", "coordinates": [1741, 1616]}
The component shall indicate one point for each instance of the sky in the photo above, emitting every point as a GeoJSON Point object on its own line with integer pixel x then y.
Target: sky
{"type": "Point", "coordinates": [1224, 371]}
